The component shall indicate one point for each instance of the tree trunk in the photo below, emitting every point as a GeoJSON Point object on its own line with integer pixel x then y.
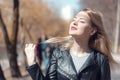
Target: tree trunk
{"type": "Point", "coordinates": [12, 53]}
{"type": "Point", "coordinates": [12, 56]}
{"type": "Point", "coordinates": [2, 77]}
{"type": "Point", "coordinates": [12, 41]}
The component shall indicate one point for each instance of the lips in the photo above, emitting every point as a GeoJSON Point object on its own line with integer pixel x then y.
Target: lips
{"type": "Point", "coordinates": [73, 28]}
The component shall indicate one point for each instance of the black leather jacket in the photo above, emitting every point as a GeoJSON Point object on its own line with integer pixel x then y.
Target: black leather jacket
{"type": "Point", "coordinates": [61, 67]}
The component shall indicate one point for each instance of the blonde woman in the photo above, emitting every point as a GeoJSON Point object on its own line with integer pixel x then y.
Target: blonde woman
{"type": "Point", "coordinates": [84, 56]}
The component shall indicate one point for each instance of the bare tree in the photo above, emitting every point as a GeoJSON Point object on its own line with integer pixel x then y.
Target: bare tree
{"type": "Point", "coordinates": [11, 41]}
{"type": "Point", "coordinates": [38, 20]}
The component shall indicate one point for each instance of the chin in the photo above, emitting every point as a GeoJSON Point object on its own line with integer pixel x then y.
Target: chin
{"type": "Point", "coordinates": [73, 33]}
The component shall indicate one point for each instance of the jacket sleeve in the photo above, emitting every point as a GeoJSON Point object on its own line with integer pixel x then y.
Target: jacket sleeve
{"type": "Point", "coordinates": [105, 70]}
{"type": "Point", "coordinates": [36, 73]}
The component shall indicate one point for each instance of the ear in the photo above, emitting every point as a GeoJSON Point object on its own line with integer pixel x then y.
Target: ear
{"type": "Point", "coordinates": [93, 31]}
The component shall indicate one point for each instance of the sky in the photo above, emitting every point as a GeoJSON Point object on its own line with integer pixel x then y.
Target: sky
{"type": "Point", "coordinates": [66, 8]}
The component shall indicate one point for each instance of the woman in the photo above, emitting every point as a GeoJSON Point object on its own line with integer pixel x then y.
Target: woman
{"type": "Point", "coordinates": [87, 56]}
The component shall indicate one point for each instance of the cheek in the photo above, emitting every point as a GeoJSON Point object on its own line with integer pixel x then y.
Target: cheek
{"type": "Point", "coordinates": [70, 26]}
{"type": "Point", "coordinates": [84, 28]}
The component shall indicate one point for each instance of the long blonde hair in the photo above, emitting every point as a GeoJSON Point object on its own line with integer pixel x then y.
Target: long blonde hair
{"type": "Point", "coordinates": [99, 41]}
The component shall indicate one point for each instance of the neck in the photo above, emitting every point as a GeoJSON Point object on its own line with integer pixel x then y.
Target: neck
{"type": "Point", "coordinates": [80, 46]}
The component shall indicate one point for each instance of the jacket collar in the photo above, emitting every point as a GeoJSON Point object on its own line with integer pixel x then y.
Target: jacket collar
{"type": "Point", "coordinates": [89, 62]}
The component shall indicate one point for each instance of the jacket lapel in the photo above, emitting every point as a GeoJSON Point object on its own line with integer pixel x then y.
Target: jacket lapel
{"type": "Point", "coordinates": [68, 67]}
{"type": "Point", "coordinates": [90, 61]}
{"type": "Point", "coordinates": [71, 63]}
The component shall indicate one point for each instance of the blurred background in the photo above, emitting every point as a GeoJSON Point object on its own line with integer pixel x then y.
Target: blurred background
{"type": "Point", "coordinates": [33, 21]}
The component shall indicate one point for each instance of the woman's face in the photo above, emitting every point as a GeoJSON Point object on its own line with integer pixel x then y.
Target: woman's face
{"type": "Point", "coordinates": [81, 25]}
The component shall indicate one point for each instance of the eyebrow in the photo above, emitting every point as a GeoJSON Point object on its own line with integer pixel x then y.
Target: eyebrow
{"type": "Point", "coordinates": [82, 18]}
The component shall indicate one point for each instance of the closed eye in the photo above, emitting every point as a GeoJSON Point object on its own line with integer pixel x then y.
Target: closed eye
{"type": "Point", "coordinates": [82, 21]}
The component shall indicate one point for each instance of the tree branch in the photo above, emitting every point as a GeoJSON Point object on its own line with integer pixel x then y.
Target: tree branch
{"type": "Point", "coordinates": [15, 22]}
{"type": "Point", "coordinates": [3, 26]}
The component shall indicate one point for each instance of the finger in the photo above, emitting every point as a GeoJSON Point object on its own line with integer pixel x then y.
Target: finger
{"type": "Point", "coordinates": [30, 45]}
{"type": "Point", "coordinates": [26, 45]}
{"type": "Point", "coordinates": [34, 46]}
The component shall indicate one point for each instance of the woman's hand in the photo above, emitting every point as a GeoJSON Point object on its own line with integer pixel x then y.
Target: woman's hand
{"type": "Point", "coordinates": [30, 53]}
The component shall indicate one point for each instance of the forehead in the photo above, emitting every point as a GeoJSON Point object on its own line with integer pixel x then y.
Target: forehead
{"type": "Point", "coordinates": [83, 14]}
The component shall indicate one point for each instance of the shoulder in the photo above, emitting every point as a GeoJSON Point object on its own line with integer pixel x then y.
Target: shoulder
{"type": "Point", "coordinates": [101, 58]}
{"type": "Point", "coordinates": [59, 52]}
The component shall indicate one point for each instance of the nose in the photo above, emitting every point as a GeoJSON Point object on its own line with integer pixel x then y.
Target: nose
{"type": "Point", "coordinates": [75, 22]}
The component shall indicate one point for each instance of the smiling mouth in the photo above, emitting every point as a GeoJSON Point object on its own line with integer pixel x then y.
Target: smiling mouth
{"type": "Point", "coordinates": [73, 28]}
